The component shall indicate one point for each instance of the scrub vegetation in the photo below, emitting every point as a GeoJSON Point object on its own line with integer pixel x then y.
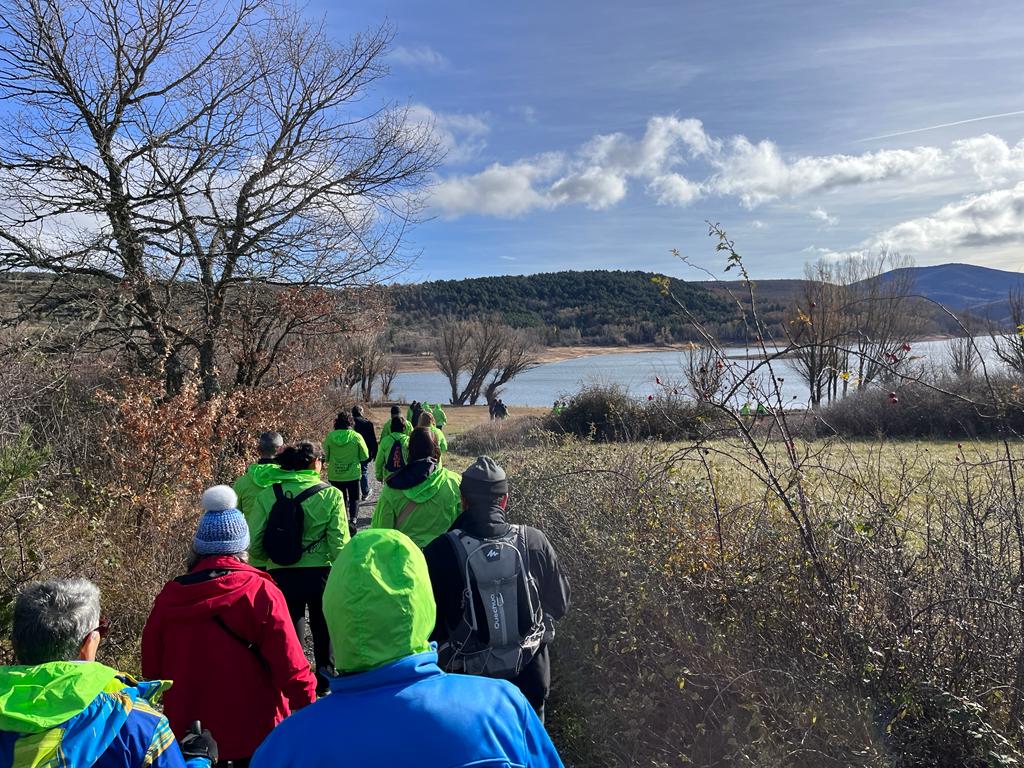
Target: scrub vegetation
{"type": "Point", "coordinates": [861, 607]}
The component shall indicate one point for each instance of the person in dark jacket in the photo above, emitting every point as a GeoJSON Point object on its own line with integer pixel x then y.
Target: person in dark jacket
{"type": "Point", "coordinates": [59, 706]}
{"type": "Point", "coordinates": [364, 427]}
{"type": "Point", "coordinates": [226, 621]}
{"type": "Point", "coordinates": [484, 496]}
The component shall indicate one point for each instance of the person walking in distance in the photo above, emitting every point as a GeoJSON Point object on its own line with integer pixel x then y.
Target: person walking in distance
{"type": "Point", "coordinates": [344, 454]}
{"type": "Point", "coordinates": [427, 420]}
{"type": "Point", "coordinates": [511, 566]}
{"type": "Point", "coordinates": [225, 620]}
{"type": "Point", "coordinates": [392, 705]}
{"type": "Point", "coordinates": [60, 707]}
{"type": "Point", "coordinates": [364, 427]}
{"type": "Point", "coordinates": [395, 413]}
{"type": "Point", "coordinates": [440, 417]}
{"type": "Point", "coordinates": [298, 527]}
{"type": "Point", "coordinates": [393, 452]}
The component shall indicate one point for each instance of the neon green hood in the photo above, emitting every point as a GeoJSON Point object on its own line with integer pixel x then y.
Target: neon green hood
{"type": "Point", "coordinates": [262, 474]}
{"type": "Point", "coordinates": [277, 475]}
{"type": "Point", "coordinates": [341, 437]}
{"type": "Point", "coordinates": [427, 489]}
{"type": "Point", "coordinates": [378, 601]}
{"type": "Point", "coordinates": [35, 699]}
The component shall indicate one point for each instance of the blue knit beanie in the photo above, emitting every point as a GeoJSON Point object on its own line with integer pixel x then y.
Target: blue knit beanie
{"type": "Point", "coordinates": [222, 529]}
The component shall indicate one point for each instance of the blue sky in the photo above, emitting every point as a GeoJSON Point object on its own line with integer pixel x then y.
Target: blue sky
{"type": "Point", "coordinates": [603, 134]}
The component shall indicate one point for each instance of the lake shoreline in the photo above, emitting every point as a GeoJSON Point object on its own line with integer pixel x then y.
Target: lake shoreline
{"type": "Point", "coordinates": [424, 362]}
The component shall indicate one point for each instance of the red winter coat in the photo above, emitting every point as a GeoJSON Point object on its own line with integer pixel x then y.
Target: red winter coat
{"type": "Point", "coordinates": [239, 695]}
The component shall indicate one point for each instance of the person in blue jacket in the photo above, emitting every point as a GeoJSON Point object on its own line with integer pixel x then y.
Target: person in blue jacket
{"type": "Point", "coordinates": [391, 704]}
{"type": "Point", "coordinates": [60, 707]}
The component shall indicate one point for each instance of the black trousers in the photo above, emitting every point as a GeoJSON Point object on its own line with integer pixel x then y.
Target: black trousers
{"type": "Point", "coordinates": [350, 490]}
{"type": "Point", "coordinates": [535, 680]}
{"type": "Point", "coordinates": [303, 588]}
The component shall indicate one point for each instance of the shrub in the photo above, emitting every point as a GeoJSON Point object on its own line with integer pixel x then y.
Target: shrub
{"type": "Point", "coordinates": [515, 432]}
{"type": "Point", "coordinates": [951, 408]}
{"type": "Point", "coordinates": [609, 413]}
{"type": "Point", "coordinates": [700, 633]}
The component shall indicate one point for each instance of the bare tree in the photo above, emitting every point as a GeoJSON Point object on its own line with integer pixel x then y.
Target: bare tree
{"type": "Point", "coordinates": [853, 322]}
{"type": "Point", "coordinates": [817, 330]}
{"type": "Point", "coordinates": [451, 353]}
{"type": "Point", "coordinates": [705, 373]}
{"type": "Point", "coordinates": [388, 372]}
{"type": "Point", "coordinates": [166, 152]}
{"type": "Point", "coordinates": [962, 354]}
{"type": "Point", "coordinates": [1009, 345]}
{"type": "Point", "coordinates": [519, 355]}
{"type": "Point", "coordinates": [478, 357]}
{"type": "Point", "coordinates": [882, 319]}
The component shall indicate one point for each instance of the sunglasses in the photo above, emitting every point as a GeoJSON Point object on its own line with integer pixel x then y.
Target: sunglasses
{"type": "Point", "coordinates": [101, 629]}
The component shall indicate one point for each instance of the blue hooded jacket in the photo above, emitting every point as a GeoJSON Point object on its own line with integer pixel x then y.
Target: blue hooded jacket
{"type": "Point", "coordinates": [393, 705]}
{"type": "Point", "coordinates": [83, 714]}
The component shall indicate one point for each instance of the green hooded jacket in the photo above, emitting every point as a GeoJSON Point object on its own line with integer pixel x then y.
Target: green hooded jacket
{"type": "Point", "coordinates": [326, 529]}
{"type": "Point", "coordinates": [426, 498]}
{"type": "Point", "coordinates": [248, 487]}
{"type": "Point", "coordinates": [378, 602]}
{"type": "Point", "coordinates": [439, 415]}
{"type": "Point", "coordinates": [345, 450]}
{"type": "Point", "coordinates": [384, 450]}
{"type": "Point", "coordinates": [41, 697]}
{"type": "Point", "coordinates": [442, 441]}
{"type": "Point", "coordinates": [69, 713]}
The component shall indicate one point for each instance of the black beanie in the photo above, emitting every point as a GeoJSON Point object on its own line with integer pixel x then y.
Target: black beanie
{"type": "Point", "coordinates": [484, 480]}
{"type": "Point", "coordinates": [395, 410]}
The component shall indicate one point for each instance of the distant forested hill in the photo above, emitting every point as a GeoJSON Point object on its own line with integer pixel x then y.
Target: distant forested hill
{"type": "Point", "coordinates": [590, 307]}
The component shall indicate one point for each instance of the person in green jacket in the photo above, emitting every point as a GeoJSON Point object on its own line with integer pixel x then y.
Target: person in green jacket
{"type": "Point", "coordinates": [344, 452]}
{"type": "Point", "coordinates": [258, 476]}
{"type": "Point", "coordinates": [395, 413]}
{"type": "Point", "coordinates": [324, 533]}
{"type": "Point", "coordinates": [440, 417]}
{"type": "Point", "coordinates": [427, 420]}
{"type": "Point", "coordinates": [397, 432]}
{"type": "Point", "coordinates": [422, 499]}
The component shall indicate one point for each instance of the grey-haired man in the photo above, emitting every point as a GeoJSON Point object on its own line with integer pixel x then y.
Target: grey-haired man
{"type": "Point", "coordinates": [61, 707]}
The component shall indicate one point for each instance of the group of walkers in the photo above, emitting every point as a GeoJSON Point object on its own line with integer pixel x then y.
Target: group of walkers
{"type": "Point", "coordinates": [440, 583]}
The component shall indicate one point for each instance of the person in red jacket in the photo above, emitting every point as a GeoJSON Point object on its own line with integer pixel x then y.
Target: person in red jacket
{"type": "Point", "coordinates": [223, 635]}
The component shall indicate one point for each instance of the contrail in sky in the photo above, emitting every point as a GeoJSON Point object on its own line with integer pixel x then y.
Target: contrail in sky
{"type": "Point", "coordinates": [942, 125]}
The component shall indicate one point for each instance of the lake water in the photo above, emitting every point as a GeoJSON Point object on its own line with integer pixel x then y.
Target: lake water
{"type": "Point", "coordinates": [636, 371]}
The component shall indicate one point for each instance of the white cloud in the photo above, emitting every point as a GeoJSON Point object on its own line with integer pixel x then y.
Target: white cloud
{"type": "Point", "coordinates": [462, 136]}
{"type": "Point", "coordinates": [678, 163]}
{"type": "Point", "coordinates": [501, 190]}
{"type": "Point", "coordinates": [990, 218]}
{"type": "Point", "coordinates": [993, 160]}
{"type": "Point", "coordinates": [594, 187]}
{"type": "Point", "coordinates": [420, 57]}
{"type": "Point", "coordinates": [824, 216]}
{"type": "Point", "coordinates": [673, 189]}
{"type": "Point", "coordinates": [758, 174]}
{"type": "Point", "coordinates": [660, 147]}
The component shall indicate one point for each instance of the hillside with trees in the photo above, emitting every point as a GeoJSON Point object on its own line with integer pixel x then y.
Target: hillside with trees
{"type": "Point", "coordinates": [587, 307]}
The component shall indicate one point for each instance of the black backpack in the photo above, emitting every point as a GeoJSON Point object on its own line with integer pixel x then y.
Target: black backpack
{"type": "Point", "coordinates": [282, 538]}
{"type": "Point", "coordinates": [396, 458]}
